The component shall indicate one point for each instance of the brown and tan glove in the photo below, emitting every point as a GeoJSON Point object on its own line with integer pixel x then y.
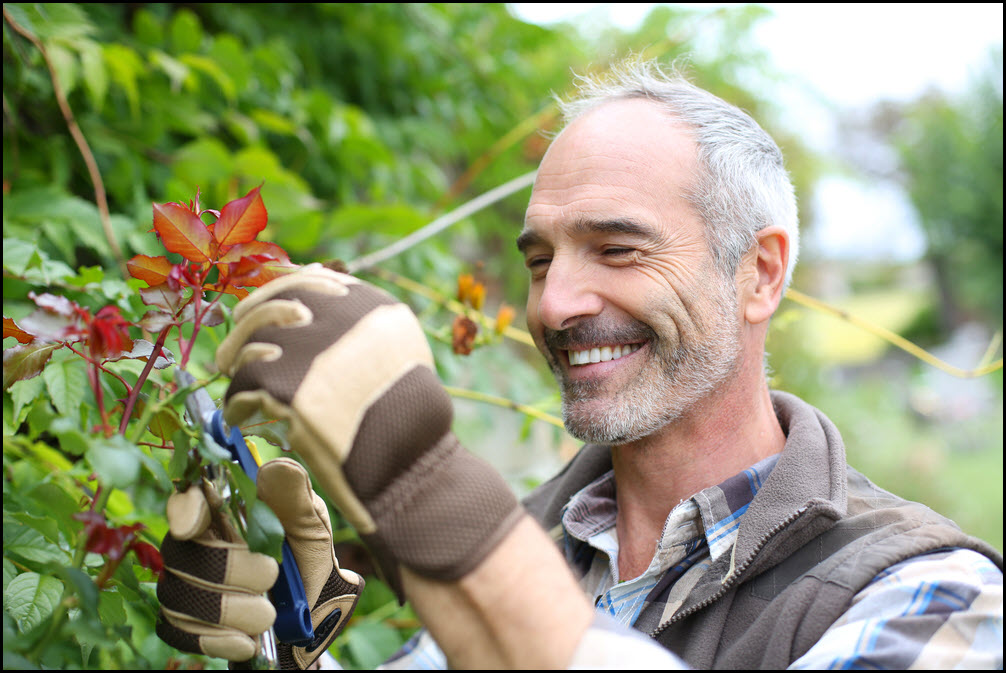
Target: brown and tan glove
{"type": "Point", "coordinates": [348, 367]}
{"type": "Point", "coordinates": [211, 592]}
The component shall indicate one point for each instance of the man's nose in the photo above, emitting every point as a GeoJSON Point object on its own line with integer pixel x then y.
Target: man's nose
{"type": "Point", "coordinates": [570, 294]}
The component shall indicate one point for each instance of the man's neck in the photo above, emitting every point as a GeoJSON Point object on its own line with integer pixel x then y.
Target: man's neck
{"type": "Point", "coordinates": [731, 430]}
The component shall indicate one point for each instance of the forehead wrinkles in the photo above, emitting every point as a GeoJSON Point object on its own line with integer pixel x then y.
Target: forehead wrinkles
{"type": "Point", "coordinates": [624, 160]}
{"type": "Point", "coordinates": [579, 200]}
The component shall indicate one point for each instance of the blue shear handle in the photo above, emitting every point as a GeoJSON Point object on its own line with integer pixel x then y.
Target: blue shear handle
{"type": "Point", "coordinates": [293, 615]}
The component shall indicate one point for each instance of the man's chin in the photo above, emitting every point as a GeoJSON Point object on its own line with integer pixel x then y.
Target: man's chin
{"type": "Point", "coordinates": [604, 422]}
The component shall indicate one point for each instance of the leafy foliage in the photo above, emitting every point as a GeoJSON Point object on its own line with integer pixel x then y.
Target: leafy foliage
{"type": "Point", "coordinates": [72, 556]}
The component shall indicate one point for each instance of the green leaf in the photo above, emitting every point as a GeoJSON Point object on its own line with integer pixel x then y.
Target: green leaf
{"type": "Point", "coordinates": [49, 272]}
{"type": "Point", "coordinates": [111, 608]}
{"type": "Point", "coordinates": [215, 72]}
{"type": "Point", "coordinates": [26, 361]}
{"type": "Point", "coordinates": [45, 525]}
{"type": "Point", "coordinates": [84, 587]}
{"type": "Point", "coordinates": [60, 20]}
{"type": "Point", "coordinates": [87, 275]}
{"type": "Point", "coordinates": [115, 460]}
{"type": "Point", "coordinates": [72, 439]}
{"type": "Point", "coordinates": [67, 384]}
{"type": "Point", "coordinates": [156, 470]}
{"type": "Point", "coordinates": [148, 28]}
{"type": "Point", "coordinates": [29, 544]}
{"type": "Point", "coordinates": [58, 505]}
{"type": "Point", "coordinates": [125, 66]}
{"type": "Point", "coordinates": [95, 74]}
{"type": "Point", "coordinates": [186, 31]}
{"type": "Point", "coordinates": [265, 532]}
{"type": "Point", "coordinates": [44, 203]}
{"type": "Point", "coordinates": [31, 598]}
{"type": "Point", "coordinates": [18, 255]}
{"type": "Point", "coordinates": [24, 393]}
{"type": "Point", "coordinates": [9, 573]}
{"type": "Point", "coordinates": [180, 458]}
{"type": "Point", "coordinates": [65, 65]}
{"type": "Point", "coordinates": [176, 71]}
{"type": "Point", "coordinates": [273, 122]}
{"type": "Point", "coordinates": [371, 643]}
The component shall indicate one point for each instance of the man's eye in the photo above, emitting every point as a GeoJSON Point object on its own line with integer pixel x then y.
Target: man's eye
{"type": "Point", "coordinates": [537, 262]}
{"type": "Point", "coordinates": [616, 252]}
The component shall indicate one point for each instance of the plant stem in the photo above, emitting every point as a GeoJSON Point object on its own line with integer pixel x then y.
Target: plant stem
{"type": "Point", "coordinates": [898, 340]}
{"type": "Point", "coordinates": [131, 402]}
{"type": "Point", "coordinates": [436, 226]}
{"type": "Point", "coordinates": [504, 402]}
{"type": "Point", "coordinates": [99, 396]}
{"type": "Point", "coordinates": [129, 388]}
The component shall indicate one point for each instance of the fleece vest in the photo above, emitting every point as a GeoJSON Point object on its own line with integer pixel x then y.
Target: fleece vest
{"type": "Point", "coordinates": [813, 537]}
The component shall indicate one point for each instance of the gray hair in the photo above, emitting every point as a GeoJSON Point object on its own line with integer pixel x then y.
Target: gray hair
{"type": "Point", "coordinates": [744, 186]}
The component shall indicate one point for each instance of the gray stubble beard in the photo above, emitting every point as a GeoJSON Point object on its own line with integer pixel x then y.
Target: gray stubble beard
{"type": "Point", "coordinates": [667, 389]}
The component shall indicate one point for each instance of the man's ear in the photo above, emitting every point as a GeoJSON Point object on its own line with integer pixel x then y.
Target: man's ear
{"type": "Point", "coordinates": [769, 257]}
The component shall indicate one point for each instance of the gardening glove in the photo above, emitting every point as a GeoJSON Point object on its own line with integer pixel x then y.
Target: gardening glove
{"type": "Point", "coordinates": [333, 592]}
{"type": "Point", "coordinates": [211, 591]}
{"type": "Point", "coordinates": [348, 368]}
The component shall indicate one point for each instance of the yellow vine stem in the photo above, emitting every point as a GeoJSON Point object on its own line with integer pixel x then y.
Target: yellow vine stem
{"type": "Point", "coordinates": [451, 304]}
{"type": "Point", "coordinates": [82, 145]}
{"type": "Point", "coordinates": [505, 403]}
{"type": "Point", "coordinates": [984, 367]}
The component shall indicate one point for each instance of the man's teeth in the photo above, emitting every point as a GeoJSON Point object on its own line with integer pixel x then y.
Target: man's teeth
{"type": "Point", "coordinates": [591, 355]}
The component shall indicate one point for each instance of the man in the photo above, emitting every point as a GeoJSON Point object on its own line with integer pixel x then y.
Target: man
{"type": "Point", "coordinates": [713, 515]}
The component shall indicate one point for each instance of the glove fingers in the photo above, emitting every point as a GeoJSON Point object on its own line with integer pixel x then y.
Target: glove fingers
{"type": "Point", "coordinates": [313, 277]}
{"type": "Point", "coordinates": [285, 486]}
{"type": "Point", "coordinates": [188, 513]}
{"type": "Point", "coordinates": [249, 613]}
{"type": "Point", "coordinates": [278, 312]}
{"type": "Point", "coordinates": [206, 639]}
{"type": "Point", "coordinates": [219, 565]}
{"type": "Point", "coordinates": [241, 406]}
{"type": "Point", "coordinates": [330, 615]}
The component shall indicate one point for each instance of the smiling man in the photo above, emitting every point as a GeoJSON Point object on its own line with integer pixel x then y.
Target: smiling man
{"type": "Point", "coordinates": [708, 522]}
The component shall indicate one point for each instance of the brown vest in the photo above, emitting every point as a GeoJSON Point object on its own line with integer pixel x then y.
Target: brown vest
{"type": "Point", "coordinates": [815, 535]}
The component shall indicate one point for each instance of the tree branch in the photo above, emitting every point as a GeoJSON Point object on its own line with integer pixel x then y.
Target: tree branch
{"type": "Point", "coordinates": [898, 340]}
{"type": "Point", "coordinates": [436, 226]}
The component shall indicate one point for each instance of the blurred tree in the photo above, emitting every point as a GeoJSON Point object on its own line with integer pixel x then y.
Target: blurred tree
{"type": "Point", "coordinates": [952, 167]}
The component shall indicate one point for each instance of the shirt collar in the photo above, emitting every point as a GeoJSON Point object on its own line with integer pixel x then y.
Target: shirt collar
{"type": "Point", "coordinates": [715, 511]}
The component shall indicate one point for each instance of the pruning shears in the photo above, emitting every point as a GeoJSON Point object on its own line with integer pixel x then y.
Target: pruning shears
{"type": "Point", "coordinates": [293, 615]}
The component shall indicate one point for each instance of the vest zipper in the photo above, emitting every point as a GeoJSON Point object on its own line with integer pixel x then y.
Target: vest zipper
{"type": "Point", "coordinates": [734, 576]}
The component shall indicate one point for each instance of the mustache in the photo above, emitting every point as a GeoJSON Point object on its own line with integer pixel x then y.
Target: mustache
{"type": "Point", "coordinates": [592, 332]}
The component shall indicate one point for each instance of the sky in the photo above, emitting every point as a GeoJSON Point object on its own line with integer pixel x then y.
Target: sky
{"type": "Point", "coordinates": [847, 56]}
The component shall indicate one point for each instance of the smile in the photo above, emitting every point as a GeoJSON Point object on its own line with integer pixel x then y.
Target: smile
{"type": "Point", "coordinates": [602, 354]}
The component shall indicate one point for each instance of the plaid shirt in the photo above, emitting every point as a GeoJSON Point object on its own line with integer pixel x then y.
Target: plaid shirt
{"type": "Point", "coordinates": [940, 610]}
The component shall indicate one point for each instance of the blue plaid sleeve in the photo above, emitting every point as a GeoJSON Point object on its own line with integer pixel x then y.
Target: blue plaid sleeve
{"type": "Point", "coordinates": [939, 611]}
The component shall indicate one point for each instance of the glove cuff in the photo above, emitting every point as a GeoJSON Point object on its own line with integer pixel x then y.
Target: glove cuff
{"type": "Point", "coordinates": [442, 516]}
